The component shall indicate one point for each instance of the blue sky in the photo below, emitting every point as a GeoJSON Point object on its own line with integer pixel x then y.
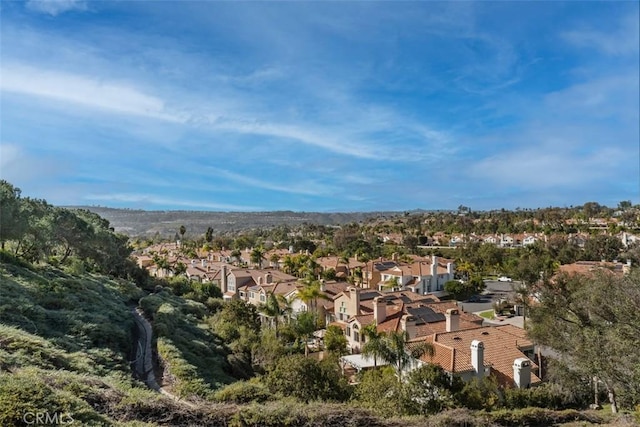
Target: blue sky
{"type": "Point", "coordinates": [321, 106]}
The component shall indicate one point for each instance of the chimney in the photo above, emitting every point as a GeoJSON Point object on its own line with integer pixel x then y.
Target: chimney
{"type": "Point", "coordinates": [204, 262]}
{"type": "Point", "coordinates": [223, 279]}
{"type": "Point", "coordinates": [323, 288]}
{"type": "Point", "coordinates": [434, 266]}
{"type": "Point", "coordinates": [354, 301]}
{"type": "Point", "coordinates": [453, 320]}
{"type": "Point", "coordinates": [193, 262]}
{"type": "Point", "coordinates": [477, 357]}
{"type": "Point", "coordinates": [522, 372]}
{"type": "Point", "coordinates": [268, 278]}
{"type": "Point", "coordinates": [356, 256]}
{"type": "Point", "coordinates": [408, 324]}
{"type": "Point", "coordinates": [450, 269]}
{"type": "Point", "coordinates": [379, 309]}
{"type": "Point", "coordinates": [290, 249]}
{"type": "Point", "coordinates": [394, 257]}
{"type": "Point", "coordinates": [260, 280]}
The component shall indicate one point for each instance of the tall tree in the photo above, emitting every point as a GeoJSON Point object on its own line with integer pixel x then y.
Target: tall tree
{"type": "Point", "coordinates": [257, 255]}
{"type": "Point", "coordinates": [271, 309]}
{"type": "Point", "coordinates": [12, 225]}
{"type": "Point", "coordinates": [374, 344]}
{"type": "Point", "coordinates": [399, 355]}
{"type": "Point", "coordinates": [310, 293]}
{"type": "Point", "coordinates": [593, 322]}
{"type": "Point", "coordinates": [334, 341]}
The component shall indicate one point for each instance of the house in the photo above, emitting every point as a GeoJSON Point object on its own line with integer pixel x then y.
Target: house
{"type": "Point", "coordinates": [529, 240]}
{"type": "Point", "coordinates": [628, 239]}
{"type": "Point", "coordinates": [236, 283]}
{"type": "Point", "coordinates": [490, 239]}
{"type": "Point", "coordinates": [506, 241]}
{"type": "Point", "coordinates": [422, 277]}
{"type": "Point", "coordinates": [407, 311]}
{"type": "Point", "coordinates": [588, 267]}
{"type": "Point", "coordinates": [503, 352]}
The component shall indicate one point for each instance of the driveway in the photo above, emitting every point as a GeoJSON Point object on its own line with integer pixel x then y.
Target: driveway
{"type": "Point", "coordinates": [495, 292]}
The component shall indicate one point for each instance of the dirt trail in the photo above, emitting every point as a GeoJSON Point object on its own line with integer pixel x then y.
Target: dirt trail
{"type": "Point", "coordinates": [143, 363]}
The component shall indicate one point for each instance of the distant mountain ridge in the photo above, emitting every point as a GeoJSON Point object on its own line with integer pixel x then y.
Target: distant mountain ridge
{"type": "Point", "coordinates": [166, 223]}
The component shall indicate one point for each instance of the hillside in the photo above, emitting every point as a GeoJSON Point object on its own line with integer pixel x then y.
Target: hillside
{"type": "Point", "coordinates": [166, 223]}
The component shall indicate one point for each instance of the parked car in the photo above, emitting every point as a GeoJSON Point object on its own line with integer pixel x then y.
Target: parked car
{"type": "Point", "coordinates": [504, 279]}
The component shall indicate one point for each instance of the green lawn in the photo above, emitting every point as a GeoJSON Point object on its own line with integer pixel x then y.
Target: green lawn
{"type": "Point", "coordinates": [489, 314]}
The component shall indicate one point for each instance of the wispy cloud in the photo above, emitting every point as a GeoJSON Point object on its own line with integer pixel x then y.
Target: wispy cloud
{"type": "Point", "coordinates": [56, 7]}
{"type": "Point", "coordinates": [82, 90]}
{"type": "Point", "coordinates": [624, 39]}
{"type": "Point", "coordinates": [150, 201]}
{"type": "Point", "coordinates": [306, 187]}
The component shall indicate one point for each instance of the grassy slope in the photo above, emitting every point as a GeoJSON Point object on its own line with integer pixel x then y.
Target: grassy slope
{"type": "Point", "coordinates": [195, 357]}
{"type": "Point", "coordinates": [64, 343]}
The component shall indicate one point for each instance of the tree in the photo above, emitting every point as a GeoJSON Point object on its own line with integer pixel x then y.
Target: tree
{"type": "Point", "coordinates": [257, 255]}
{"type": "Point", "coordinates": [379, 391]}
{"type": "Point", "coordinates": [271, 308]}
{"type": "Point", "coordinates": [399, 355]}
{"type": "Point", "coordinates": [602, 247]}
{"type": "Point", "coordinates": [275, 260]}
{"type": "Point", "coordinates": [334, 341]}
{"type": "Point", "coordinates": [374, 344]}
{"type": "Point", "coordinates": [593, 322]}
{"type": "Point", "coordinates": [307, 379]}
{"type": "Point", "coordinates": [208, 235]}
{"type": "Point", "coordinates": [432, 389]}
{"type": "Point", "coordinates": [12, 224]}
{"type": "Point", "coordinates": [182, 230]}
{"type": "Point", "coordinates": [310, 294]}
{"type": "Point", "coordinates": [304, 327]}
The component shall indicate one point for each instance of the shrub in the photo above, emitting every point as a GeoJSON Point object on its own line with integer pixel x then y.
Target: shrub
{"type": "Point", "coordinates": [306, 379]}
{"type": "Point", "coordinates": [243, 392]}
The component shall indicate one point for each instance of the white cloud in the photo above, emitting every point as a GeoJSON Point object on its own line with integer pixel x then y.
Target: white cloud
{"type": "Point", "coordinates": [623, 40]}
{"type": "Point", "coordinates": [56, 7]}
{"type": "Point", "coordinates": [307, 187]}
{"type": "Point", "coordinates": [82, 90]}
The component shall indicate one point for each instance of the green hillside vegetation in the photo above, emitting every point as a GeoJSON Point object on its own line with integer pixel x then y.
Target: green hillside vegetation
{"type": "Point", "coordinates": [195, 357]}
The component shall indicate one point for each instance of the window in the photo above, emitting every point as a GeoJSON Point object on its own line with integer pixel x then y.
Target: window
{"type": "Point", "coordinates": [263, 298]}
{"type": "Point", "coordinates": [348, 331]}
{"type": "Point", "coordinates": [252, 295]}
{"type": "Point", "coordinates": [343, 307]}
{"type": "Point", "coordinates": [356, 336]}
{"type": "Point", "coordinates": [242, 294]}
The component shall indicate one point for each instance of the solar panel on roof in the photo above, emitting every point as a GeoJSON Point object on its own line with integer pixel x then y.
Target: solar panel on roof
{"type": "Point", "coordinates": [426, 314]}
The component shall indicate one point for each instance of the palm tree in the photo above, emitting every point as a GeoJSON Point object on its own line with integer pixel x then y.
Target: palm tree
{"type": "Point", "coordinates": [374, 343]}
{"type": "Point", "coordinates": [310, 294]}
{"type": "Point", "coordinates": [285, 307]}
{"type": "Point", "coordinates": [257, 255]}
{"type": "Point", "coordinates": [275, 260]}
{"type": "Point", "coordinates": [235, 254]}
{"type": "Point", "coordinates": [271, 308]}
{"type": "Point", "coordinates": [395, 351]}
{"type": "Point", "coordinates": [289, 265]}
